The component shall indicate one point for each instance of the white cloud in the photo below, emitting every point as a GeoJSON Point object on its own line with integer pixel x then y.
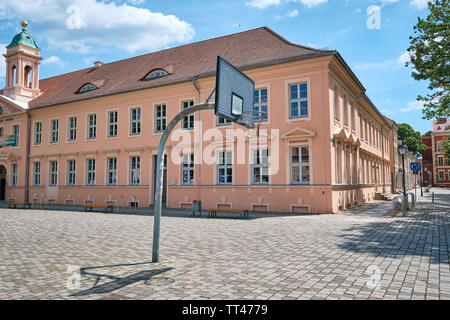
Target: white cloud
{"type": "Point", "coordinates": [290, 14]}
{"type": "Point", "coordinates": [97, 25]}
{"type": "Point", "coordinates": [419, 4]}
{"type": "Point", "coordinates": [53, 60]}
{"type": "Point", "coordinates": [413, 106]}
{"type": "Point", "coordinates": [263, 4]}
{"type": "Point", "coordinates": [385, 66]}
{"type": "Point", "coordinates": [2, 60]}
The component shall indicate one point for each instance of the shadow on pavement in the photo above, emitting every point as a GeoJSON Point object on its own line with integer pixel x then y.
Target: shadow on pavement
{"type": "Point", "coordinates": [424, 231]}
{"type": "Point", "coordinates": [117, 282]}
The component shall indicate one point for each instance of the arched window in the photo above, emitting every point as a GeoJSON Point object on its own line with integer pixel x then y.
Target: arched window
{"type": "Point", "coordinates": [28, 77]}
{"type": "Point", "coordinates": [87, 87]}
{"type": "Point", "coordinates": [156, 74]}
{"type": "Point", "coordinates": [13, 75]}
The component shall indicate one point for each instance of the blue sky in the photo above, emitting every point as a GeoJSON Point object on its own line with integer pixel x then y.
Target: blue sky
{"type": "Point", "coordinates": [74, 33]}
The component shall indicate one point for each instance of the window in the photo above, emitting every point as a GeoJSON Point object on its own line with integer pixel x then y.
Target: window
{"type": "Point", "coordinates": [439, 146]}
{"type": "Point", "coordinates": [352, 110]}
{"type": "Point", "coordinates": [260, 167]}
{"type": "Point", "coordinates": [37, 132]}
{"type": "Point", "coordinates": [338, 165]}
{"type": "Point", "coordinates": [112, 171]}
{"type": "Point", "coordinates": [345, 111]}
{"type": "Point", "coordinates": [135, 170]}
{"type": "Point", "coordinates": [135, 124]}
{"type": "Point", "coordinates": [2, 131]}
{"type": "Point", "coordinates": [86, 88]}
{"type": "Point", "coordinates": [225, 168]}
{"type": "Point", "coordinates": [440, 161]}
{"type": "Point", "coordinates": [72, 129]}
{"type": "Point", "coordinates": [441, 175]}
{"type": "Point", "coordinates": [336, 103]}
{"type": "Point", "coordinates": [112, 123]}
{"type": "Point", "coordinates": [90, 172]}
{"type": "Point", "coordinates": [156, 74]}
{"type": "Point", "coordinates": [223, 121]}
{"type": "Point", "coordinates": [92, 126]}
{"type": "Point", "coordinates": [160, 118]}
{"type": "Point", "coordinates": [14, 174]}
{"type": "Point", "coordinates": [71, 172]}
{"type": "Point", "coordinates": [300, 165]}
{"type": "Point", "coordinates": [298, 100]}
{"type": "Point", "coordinates": [260, 105]}
{"type": "Point", "coordinates": [53, 173]}
{"type": "Point", "coordinates": [37, 173]}
{"type": "Point", "coordinates": [188, 169]}
{"type": "Point", "coordinates": [188, 122]}
{"type": "Point", "coordinates": [15, 132]}
{"type": "Point", "coordinates": [54, 131]}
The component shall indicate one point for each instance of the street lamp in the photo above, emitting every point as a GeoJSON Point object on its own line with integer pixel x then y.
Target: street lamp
{"type": "Point", "coordinates": [402, 150]}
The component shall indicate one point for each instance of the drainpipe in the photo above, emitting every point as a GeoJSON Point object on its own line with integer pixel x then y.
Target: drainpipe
{"type": "Point", "coordinates": [382, 156]}
{"type": "Point", "coordinates": [27, 172]}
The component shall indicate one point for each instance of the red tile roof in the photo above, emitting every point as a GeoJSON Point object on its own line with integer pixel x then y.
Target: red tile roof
{"type": "Point", "coordinates": [246, 50]}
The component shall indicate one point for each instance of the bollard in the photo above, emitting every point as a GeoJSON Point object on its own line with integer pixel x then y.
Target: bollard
{"type": "Point", "coordinates": [432, 197]}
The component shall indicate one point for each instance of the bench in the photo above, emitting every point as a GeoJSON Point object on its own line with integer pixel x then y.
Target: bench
{"type": "Point", "coordinates": [105, 207]}
{"type": "Point", "coordinates": [213, 212]}
{"type": "Point", "coordinates": [13, 205]}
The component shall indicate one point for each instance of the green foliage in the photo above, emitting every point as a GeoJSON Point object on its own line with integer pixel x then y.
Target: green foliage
{"type": "Point", "coordinates": [411, 138]}
{"type": "Point", "coordinates": [447, 150]}
{"type": "Point", "coordinates": [430, 55]}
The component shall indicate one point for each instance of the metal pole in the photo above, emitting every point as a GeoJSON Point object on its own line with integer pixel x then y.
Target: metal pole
{"type": "Point", "coordinates": [421, 184]}
{"type": "Point", "coordinates": [159, 173]}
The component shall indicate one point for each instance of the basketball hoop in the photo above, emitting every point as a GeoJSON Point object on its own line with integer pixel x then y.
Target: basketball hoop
{"type": "Point", "coordinates": [249, 118]}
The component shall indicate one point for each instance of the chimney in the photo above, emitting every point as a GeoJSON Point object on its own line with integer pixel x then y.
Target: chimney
{"type": "Point", "coordinates": [98, 64]}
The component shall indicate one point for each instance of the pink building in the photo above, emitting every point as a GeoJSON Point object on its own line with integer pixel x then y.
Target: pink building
{"type": "Point", "coordinates": [91, 136]}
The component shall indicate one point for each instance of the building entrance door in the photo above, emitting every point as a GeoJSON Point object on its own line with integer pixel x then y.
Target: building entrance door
{"type": "Point", "coordinates": [2, 183]}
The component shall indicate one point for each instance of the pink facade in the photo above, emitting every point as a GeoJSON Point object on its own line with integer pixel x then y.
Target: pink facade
{"type": "Point", "coordinates": [329, 145]}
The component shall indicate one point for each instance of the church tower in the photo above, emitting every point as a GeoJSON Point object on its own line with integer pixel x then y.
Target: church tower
{"type": "Point", "coordinates": [22, 67]}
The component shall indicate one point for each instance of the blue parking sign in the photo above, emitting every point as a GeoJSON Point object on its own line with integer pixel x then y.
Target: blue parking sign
{"type": "Point", "coordinates": [416, 166]}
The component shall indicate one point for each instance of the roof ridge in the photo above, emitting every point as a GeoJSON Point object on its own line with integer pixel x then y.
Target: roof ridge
{"type": "Point", "coordinates": [292, 43]}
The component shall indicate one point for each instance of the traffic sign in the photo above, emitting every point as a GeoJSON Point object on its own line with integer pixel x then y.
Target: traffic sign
{"type": "Point", "coordinates": [416, 166]}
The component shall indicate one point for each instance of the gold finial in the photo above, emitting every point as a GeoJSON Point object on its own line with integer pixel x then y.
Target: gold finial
{"type": "Point", "coordinates": [24, 24]}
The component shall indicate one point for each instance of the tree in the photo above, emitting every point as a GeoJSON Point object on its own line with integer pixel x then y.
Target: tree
{"type": "Point", "coordinates": [447, 150]}
{"type": "Point", "coordinates": [411, 138]}
{"type": "Point", "coordinates": [430, 55]}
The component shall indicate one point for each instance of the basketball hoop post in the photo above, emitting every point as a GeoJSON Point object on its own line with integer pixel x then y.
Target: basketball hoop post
{"type": "Point", "coordinates": [159, 171]}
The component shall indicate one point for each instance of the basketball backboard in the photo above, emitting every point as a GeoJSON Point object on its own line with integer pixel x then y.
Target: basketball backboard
{"type": "Point", "coordinates": [234, 94]}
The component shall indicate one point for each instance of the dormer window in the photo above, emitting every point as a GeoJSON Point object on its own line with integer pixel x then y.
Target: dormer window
{"type": "Point", "coordinates": [86, 88]}
{"type": "Point", "coordinates": [156, 74]}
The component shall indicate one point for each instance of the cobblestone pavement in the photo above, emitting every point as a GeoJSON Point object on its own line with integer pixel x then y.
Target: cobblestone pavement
{"type": "Point", "coordinates": [295, 257]}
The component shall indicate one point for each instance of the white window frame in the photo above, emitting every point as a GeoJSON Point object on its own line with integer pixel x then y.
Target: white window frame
{"type": "Point", "coordinates": [188, 167]}
{"type": "Point", "coordinates": [162, 117]}
{"type": "Point", "coordinates": [440, 161]}
{"type": "Point", "coordinates": [135, 171]}
{"type": "Point", "coordinates": [72, 132]}
{"type": "Point", "coordinates": [111, 172]}
{"type": "Point", "coordinates": [54, 131]}
{"type": "Point", "coordinates": [14, 174]}
{"type": "Point", "coordinates": [92, 126]}
{"type": "Point", "coordinates": [90, 172]}
{"type": "Point", "coordinates": [300, 165]}
{"type": "Point", "coordinates": [135, 121]}
{"type": "Point", "coordinates": [71, 172]}
{"type": "Point", "coordinates": [14, 128]}
{"type": "Point", "coordinates": [259, 105]}
{"type": "Point", "coordinates": [53, 181]}
{"type": "Point", "coordinates": [37, 133]}
{"type": "Point", "coordinates": [299, 100]}
{"type": "Point", "coordinates": [261, 162]}
{"type": "Point", "coordinates": [190, 119]}
{"type": "Point", "coordinates": [226, 164]}
{"type": "Point", "coordinates": [113, 125]}
{"type": "Point", "coordinates": [37, 173]}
